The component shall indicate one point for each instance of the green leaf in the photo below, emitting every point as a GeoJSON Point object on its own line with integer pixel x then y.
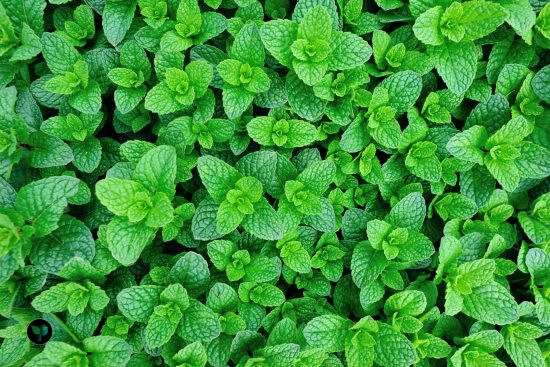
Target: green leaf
{"type": "Point", "coordinates": [281, 355]}
{"type": "Point", "coordinates": [403, 89]}
{"type": "Point", "coordinates": [491, 303]}
{"type": "Point", "coordinates": [160, 100]}
{"type": "Point", "coordinates": [476, 273]}
{"type": "Point", "coordinates": [191, 271]}
{"type": "Point", "coordinates": [523, 351]}
{"type": "Point", "coordinates": [193, 353]}
{"type": "Point", "coordinates": [455, 206]}
{"type": "Point", "coordinates": [315, 24]}
{"type": "Point", "coordinates": [302, 8]}
{"type": "Point", "coordinates": [59, 352]}
{"type": "Point", "coordinates": [71, 239]}
{"type": "Point", "coordinates": [478, 185]}
{"type": "Point", "coordinates": [203, 224]}
{"type": "Point", "coordinates": [200, 75]}
{"type": "Point", "coordinates": [467, 144]}
{"type": "Point", "coordinates": [162, 325]}
{"type": "Point", "coordinates": [29, 12]}
{"type": "Point", "coordinates": [296, 257]}
{"type": "Point", "coordinates": [479, 18]}
{"type": "Point", "coordinates": [264, 223]}
{"type": "Point", "coordinates": [54, 299]}
{"type": "Point", "coordinates": [271, 168]}
{"type": "Point", "coordinates": [87, 154]}
{"type": "Point", "coordinates": [277, 37]}
{"type": "Point", "coordinates": [505, 172]}
{"type": "Point", "coordinates": [392, 348]}
{"type": "Point", "coordinates": [408, 302]}
{"type": "Point", "coordinates": [302, 99]}
{"type": "Point", "coordinates": [540, 82]}
{"type": "Point", "coordinates": [137, 303]}
{"type": "Point", "coordinates": [42, 202]}
{"type": "Point", "coordinates": [348, 51]}
{"type": "Point", "coordinates": [318, 176]}
{"type": "Point", "coordinates": [366, 264]}
{"type": "Point", "coordinates": [409, 212]}
{"type": "Point", "coordinates": [520, 16]}
{"type": "Point", "coordinates": [87, 100]}
{"type": "Point", "coordinates": [328, 332]}
{"type": "Point", "coordinates": [161, 213]}
{"type": "Point", "coordinates": [218, 177]}
{"type": "Point", "coordinates": [534, 161]}
{"type": "Point", "coordinates": [325, 221]}
{"type": "Point", "coordinates": [456, 64]}
{"type": "Point", "coordinates": [537, 261]}
{"type": "Point", "coordinates": [127, 240]}
{"type": "Point", "coordinates": [30, 45]}
{"type": "Point", "coordinates": [422, 161]}
{"type": "Point", "coordinates": [220, 252]}
{"type": "Point", "coordinates": [49, 151]}
{"type": "Point", "coordinates": [107, 351]}
{"type": "Point", "coordinates": [58, 53]}
{"type": "Point", "coordinates": [156, 170]}
{"type": "Point", "coordinates": [262, 269]}
{"type": "Point", "coordinates": [117, 19]}
{"type": "Point", "coordinates": [266, 295]}
{"type": "Point", "coordinates": [248, 47]}
{"type": "Point", "coordinates": [199, 323]}
{"type": "Point", "coordinates": [118, 195]}
{"type": "Point", "coordinates": [236, 101]}
{"type": "Point", "coordinates": [426, 26]}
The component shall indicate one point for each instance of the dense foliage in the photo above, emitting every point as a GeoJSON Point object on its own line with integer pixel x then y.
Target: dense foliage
{"type": "Point", "coordinates": [320, 183]}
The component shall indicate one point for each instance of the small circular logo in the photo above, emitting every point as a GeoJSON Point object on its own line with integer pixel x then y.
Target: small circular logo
{"type": "Point", "coordinates": [39, 331]}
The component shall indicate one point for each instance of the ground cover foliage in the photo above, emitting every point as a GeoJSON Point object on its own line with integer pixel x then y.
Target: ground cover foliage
{"type": "Point", "coordinates": [320, 183]}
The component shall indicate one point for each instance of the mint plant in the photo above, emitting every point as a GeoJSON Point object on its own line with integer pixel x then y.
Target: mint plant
{"type": "Point", "coordinates": [243, 73]}
{"type": "Point", "coordinates": [274, 183]}
{"type": "Point", "coordinates": [130, 78]}
{"type": "Point", "coordinates": [180, 88]}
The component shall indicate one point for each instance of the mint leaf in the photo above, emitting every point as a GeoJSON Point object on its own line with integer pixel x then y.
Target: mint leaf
{"type": "Point", "coordinates": [491, 303]}
{"type": "Point", "coordinates": [107, 351]}
{"type": "Point", "coordinates": [264, 182]}
{"type": "Point", "coordinates": [456, 64]}
{"type": "Point", "coordinates": [156, 170]}
{"type": "Point", "coordinates": [388, 341]}
{"type": "Point", "coordinates": [137, 303]}
{"type": "Point", "coordinates": [328, 331]}
{"type": "Point", "coordinates": [127, 240]}
{"type": "Point", "coordinates": [42, 202]}
{"type": "Point", "coordinates": [71, 239]}
{"type": "Point", "coordinates": [540, 84]}
{"type": "Point", "coordinates": [521, 346]}
{"type": "Point", "coordinates": [117, 19]}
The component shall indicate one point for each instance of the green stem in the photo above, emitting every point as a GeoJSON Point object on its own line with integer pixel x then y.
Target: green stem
{"type": "Point", "coordinates": [64, 327]}
{"type": "Point", "coordinates": [12, 300]}
{"type": "Point", "coordinates": [7, 175]}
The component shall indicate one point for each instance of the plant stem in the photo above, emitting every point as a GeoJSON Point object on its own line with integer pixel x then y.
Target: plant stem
{"type": "Point", "coordinates": [65, 328]}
